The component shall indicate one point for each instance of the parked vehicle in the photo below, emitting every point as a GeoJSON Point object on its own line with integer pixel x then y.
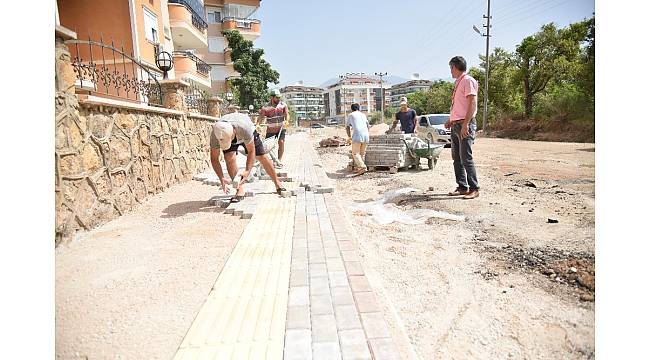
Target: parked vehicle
{"type": "Point", "coordinates": [317, 126]}
{"type": "Point", "coordinates": [332, 121]}
{"type": "Point", "coordinates": [432, 127]}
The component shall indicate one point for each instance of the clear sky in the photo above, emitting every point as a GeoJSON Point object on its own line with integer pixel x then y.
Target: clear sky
{"type": "Point", "coordinates": [315, 41]}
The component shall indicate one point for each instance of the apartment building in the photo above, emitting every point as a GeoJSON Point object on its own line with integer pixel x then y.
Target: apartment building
{"type": "Point", "coordinates": [137, 29]}
{"type": "Point", "coordinates": [397, 91]}
{"type": "Point", "coordinates": [190, 30]}
{"type": "Point", "coordinates": [307, 101]}
{"type": "Point", "coordinates": [225, 15]}
{"type": "Point", "coordinates": [355, 88]}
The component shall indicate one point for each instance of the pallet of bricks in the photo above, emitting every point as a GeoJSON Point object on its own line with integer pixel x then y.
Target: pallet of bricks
{"type": "Point", "coordinates": [389, 151]}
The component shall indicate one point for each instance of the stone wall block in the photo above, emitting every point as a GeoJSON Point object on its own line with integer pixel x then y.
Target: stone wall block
{"type": "Point", "coordinates": [100, 125]}
{"type": "Point", "coordinates": [119, 151]}
{"type": "Point", "coordinates": [140, 190]}
{"type": "Point", "coordinates": [167, 146]}
{"type": "Point", "coordinates": [101, 183]}
{"type": "Point", "coordinates": [91, 158]}
{"type": "Point", "coordinates": [156, 148]}
{"type": "Point", "coordinates": [85, 199]}
{"type": "Point", "coordinates": [125, 121]}
{"type": "Point", "coordinates": [118, 180]}
{"type": "Point", "coordinates": [143, 133]}
{"type": "Point", "coordinates": [175, 146]}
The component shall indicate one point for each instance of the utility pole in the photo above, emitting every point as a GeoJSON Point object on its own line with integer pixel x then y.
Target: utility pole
{"type": "Point", "coordinates": [487, 62]}
{"type": "Point", "coordinates": [381, 88]}
{"type": "Point", "coordinates": [345, 112]}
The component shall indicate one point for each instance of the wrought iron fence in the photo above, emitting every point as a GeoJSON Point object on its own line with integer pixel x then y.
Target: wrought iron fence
{"type": "Point", "coordinates": [196, 98]}
{"type": "Point", "coordinates": [195, 7]}
{"type": "Point", "coordinates": [106, 70]}
{"type": "Point", "coordinates": [201, 66]}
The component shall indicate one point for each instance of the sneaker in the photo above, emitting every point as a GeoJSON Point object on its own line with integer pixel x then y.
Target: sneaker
{"type": "Point", "coordinates": [472, 194]}
{"type": "Point", "coordinates": [459, 191]}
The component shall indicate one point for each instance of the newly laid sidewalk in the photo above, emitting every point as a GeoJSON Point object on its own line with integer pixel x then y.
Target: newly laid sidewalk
{"type": "Point", "coordinates": [294, 286]}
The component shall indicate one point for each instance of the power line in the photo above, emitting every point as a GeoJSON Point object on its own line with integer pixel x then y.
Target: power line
{"type": "Point", "coordinates": [430, 33]}
{"type": "Point", "coordinates": [527, 11]}
{"type": "Point", "coordinates": [536, 13]}
{"type": "Point", "coordinates": [449, 40]}
{"type": "Point", "coordinates": [506, 10]}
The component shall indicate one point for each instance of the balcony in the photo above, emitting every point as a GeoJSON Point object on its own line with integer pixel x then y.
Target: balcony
{"type": "Point", "coordinates": [249, 28]}
{"type": "Point", "coordinates": [188, 66]}
{"type": "Point", "coordinates": [189, 28]}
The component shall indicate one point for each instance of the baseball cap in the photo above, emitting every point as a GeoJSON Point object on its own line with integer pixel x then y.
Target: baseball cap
{"type": "Point", "coordinates": [403, 102]}
{"type": "Point", "coordinates": [276, 93]}
{"type": "Point", "coordinates": [223, 131]}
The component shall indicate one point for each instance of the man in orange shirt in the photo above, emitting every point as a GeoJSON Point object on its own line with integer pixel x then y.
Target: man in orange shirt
{"type": "Point", "coordinates": [462, 123]}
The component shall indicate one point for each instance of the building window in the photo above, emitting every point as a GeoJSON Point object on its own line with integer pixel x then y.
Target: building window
{"type": "Point", "coordinates": [150, 26]}
{"type": "Point", "coordinates": [216, 44]}
{"type": "Point", "coordinates": [214, 16]}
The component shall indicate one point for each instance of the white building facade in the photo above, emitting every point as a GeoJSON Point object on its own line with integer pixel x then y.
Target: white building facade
{"type": "Point", "coordinates": [406, 88]}
{"type": "Point", "coordinates": [362, 89]}
{"type": "Point", "coordinates": [307, 101]}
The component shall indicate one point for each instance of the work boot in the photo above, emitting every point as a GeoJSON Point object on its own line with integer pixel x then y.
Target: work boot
{"type": "Point", "coordinates": [472, 194]}
{"type": "Point", "coordinates": [459, 191]}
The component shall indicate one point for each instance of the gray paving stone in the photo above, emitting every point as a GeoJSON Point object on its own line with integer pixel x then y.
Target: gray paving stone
{"type": "Point", "coordinates": [375, 325]}
{"type": "Point", "coordinates": [297, 344]}
{"type": "Point", "coordinates": [299, 278]}
{"type": "Point", "coordinates": [327, 351]}
{"type": "Point", "coordinates": [384, 349]}
{"type": "Point", "coordinates": [298, 317]}
{"type": "Point", "coordinates": [296, 266]}
{"type": "Point", "coordinates": [299, 296]}
{"type": "Point", "coordinates": [319, 285]}
{"type": "Point", "coordinates": [322, 305]}
{"type": "Point", "coordinates": [317, 270]}
{"type": "Point", "coordinates": [335, 264]}
{"type": "Point", "coordinates": [354, 344]}
{"type": "Point", "coordinates": [342, 296]}
{"type": "Point", "coordinates": [338, 278]}
{"type": "Point", "coordinates": [347, 317]}
{"type": "Point", "coordinates": [323, 328]}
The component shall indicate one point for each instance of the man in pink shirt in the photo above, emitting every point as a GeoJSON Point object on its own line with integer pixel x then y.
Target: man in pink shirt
{"type": "Point", "coordinates": [462, 123]}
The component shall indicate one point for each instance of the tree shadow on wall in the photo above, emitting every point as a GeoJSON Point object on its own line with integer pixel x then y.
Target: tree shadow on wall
{"type": "Point", "coordinates": [187, 207]}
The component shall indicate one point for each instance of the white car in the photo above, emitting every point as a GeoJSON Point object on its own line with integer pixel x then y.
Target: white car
{"type": "Point", "coordinates": [432, 127]}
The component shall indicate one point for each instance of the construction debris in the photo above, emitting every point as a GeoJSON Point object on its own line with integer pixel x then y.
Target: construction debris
{"type": "Point", "coordinates": [334, 141]}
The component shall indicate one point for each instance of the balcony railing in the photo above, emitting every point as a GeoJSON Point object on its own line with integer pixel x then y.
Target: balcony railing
{"type": "Point", "coordinates": [242, 23]}
{"type": "Point", "coordinates": [196, 8]}
{"type": "Point", "coordinates": [201, 66]}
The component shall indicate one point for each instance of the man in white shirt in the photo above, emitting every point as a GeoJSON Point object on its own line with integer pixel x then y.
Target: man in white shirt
{"type": "Point", "coordinates": [358, 122]}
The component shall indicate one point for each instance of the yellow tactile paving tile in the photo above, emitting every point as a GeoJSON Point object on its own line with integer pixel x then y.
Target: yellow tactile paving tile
{"type": "Point", "coordinates": [245, 313]}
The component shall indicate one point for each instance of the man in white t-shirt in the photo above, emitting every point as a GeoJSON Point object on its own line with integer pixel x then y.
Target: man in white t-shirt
{"type": "Point", "coordinates": [358, 122]}
{"type": "Point", "coordinates": [231, 131]}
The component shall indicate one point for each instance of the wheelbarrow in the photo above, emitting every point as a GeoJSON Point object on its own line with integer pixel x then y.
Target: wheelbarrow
{"type": "Point", "coordinates": [431, 153]}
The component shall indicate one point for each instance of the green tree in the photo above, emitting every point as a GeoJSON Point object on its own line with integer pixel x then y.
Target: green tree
{"type": "Point", "coordinates": [548, 55]}
{"type": "Point", "coordinates": [435, 100]}
{"type": "Point", "coordinates": [439, 97]}
{"type": "Point", "coordinates": [255, 72]}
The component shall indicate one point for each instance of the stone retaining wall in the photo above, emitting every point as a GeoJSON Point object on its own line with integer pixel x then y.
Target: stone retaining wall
{"type": "Point", "coordinates": [108, 159]}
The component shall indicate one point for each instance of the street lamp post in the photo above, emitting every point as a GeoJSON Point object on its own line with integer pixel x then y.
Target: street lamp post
{"type": "Point", "coordinates": [345, 112]}
{"type": "Point", "coordinates": [487, 62]}
{"type": "Point", "coordinates": [381, 88]}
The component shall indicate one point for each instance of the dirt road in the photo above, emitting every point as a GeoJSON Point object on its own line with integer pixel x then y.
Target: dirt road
{"type": "Point", "coordinates": [505, 283]}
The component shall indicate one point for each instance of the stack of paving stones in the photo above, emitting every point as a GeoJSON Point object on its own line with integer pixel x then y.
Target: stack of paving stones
{"type": "Point", "coordinates": [389, 151]}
